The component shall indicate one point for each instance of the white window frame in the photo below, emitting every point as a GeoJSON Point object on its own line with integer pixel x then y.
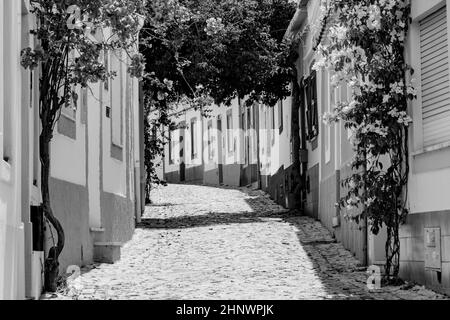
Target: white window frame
{"type": "Point", "coordinates": [193, 135]}
{"type": "Point", "coordinates": [7, 109]}
{"type": "Point", "coordinates": [230, 135]}
{"type": "Point", "coordinates": [117, 108]}
{"type": "Point", "coordinates": [349, 99]}
{"type": "Point", "coordinates": [210, 140]}
{"type": "Point", "coordinates": [4, 166]}
{"type": "Point", "coordinates": [326, 76]}
{"type": "Point", "coordinates": [171, 147]}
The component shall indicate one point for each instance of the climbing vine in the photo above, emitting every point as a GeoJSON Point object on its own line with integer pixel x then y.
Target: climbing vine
{"type": "Point", "coordinates": [364, 49]}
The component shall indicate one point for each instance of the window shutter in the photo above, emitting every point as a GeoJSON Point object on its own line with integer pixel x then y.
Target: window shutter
{"type": "Point", "coordinates": [315, 115]}
{"type": "Point", "coordinates": [435, 78]}
{"type": "Point", "coordinates": [308, 107]}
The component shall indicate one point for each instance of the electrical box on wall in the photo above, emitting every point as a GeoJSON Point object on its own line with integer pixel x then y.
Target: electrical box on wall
{"type": "Point", "coordinates": [432, 242]}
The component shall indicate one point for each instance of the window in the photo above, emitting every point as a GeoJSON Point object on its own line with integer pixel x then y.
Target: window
{"type": "Point", "coordinates": [83, 105]}
{"type": "Point", "coordinates": [280, 115]}
{"type": "Point", "coordinates": [70, 108]}
{"type": "Point", "coordinates": [312, 117]}
{"type": "Point", "coordinates": [255, 127]}
{"type": "Point", "coordinates": [329, 102]}
{"type": "Point", "coordinates": [107, 67]}
{"type": "Point", "coordinates": [171, 147]}
{"type": "Point", "coordinates": [210, 141]}
{"type": "Point", "coordinates": [230, 131]}
{"type": "Point", "coordinates": [268, 131]}
{"type": "Point", "coordinates": [435, 78]}
{"type": "Point", "coordinates": [272, 127]}
{"type": "Point", "coordinates": [194, 139]}
{"type": "Point", "coordinates": [67, 122]}
{"type": "Point", "coordinates": [4, 104]}
{"type": "Point", "coordinates": [117, 103]}
{"type": "Point", "coordinates": [347, 96]}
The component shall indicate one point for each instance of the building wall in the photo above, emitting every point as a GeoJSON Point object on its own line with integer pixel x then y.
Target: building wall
{"type": "Point", "coordinates": [428, 180]}
{"type": "Point", "coordinates": [202, 168]}
{"type": "Point", "coordinates": [314, 171]}
{"type": "Point", "coordinates": [93, 169]}
{"type": "Point", "coordinates": [329, 155]}
{"type": "Point", "coordinates": [16, 155]}
{"type": "Point", "coordinates": [234, 156]}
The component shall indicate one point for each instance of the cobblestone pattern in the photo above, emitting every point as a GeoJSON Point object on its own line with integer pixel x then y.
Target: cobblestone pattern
{"type": "Point", "coordinates": [200, 242]}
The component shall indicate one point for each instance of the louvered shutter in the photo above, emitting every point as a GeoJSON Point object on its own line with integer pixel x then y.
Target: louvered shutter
{"type": "Point", "coordinates": [435, 78]}
{"type": "Point", "coordinates": [308, 108]}
{"type": "Point", "coordinates": [315, 115]}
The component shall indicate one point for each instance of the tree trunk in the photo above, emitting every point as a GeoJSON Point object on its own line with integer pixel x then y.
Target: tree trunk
{"type": "Point", "coordinates": [51, 262]}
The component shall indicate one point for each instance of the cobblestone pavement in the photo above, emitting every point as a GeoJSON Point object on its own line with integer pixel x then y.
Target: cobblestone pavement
{"type": "Point", "coordinates": [199, 242]}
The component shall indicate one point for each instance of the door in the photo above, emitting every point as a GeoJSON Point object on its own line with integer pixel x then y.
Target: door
{"type": "Point", "coordinates": [220, 146]}
{"type": "Point", "coordinates": [182, 153]}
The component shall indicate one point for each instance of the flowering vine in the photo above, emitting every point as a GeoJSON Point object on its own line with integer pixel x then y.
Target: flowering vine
{"type": "Point", "coordinates": [365, 51]}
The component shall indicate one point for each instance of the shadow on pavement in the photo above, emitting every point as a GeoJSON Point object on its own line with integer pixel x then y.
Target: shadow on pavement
{"type": "Point", "coordinates": [210, 219]}
{"type": "Point", "coordinates": [340, 275]}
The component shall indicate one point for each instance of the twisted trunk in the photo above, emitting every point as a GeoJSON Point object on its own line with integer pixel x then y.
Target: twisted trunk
{"type": "Point", "coordinates": [51, 262]}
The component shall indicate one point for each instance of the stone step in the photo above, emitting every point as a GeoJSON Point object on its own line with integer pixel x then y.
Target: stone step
{"type": "Point", "coordinates": [107, 252]}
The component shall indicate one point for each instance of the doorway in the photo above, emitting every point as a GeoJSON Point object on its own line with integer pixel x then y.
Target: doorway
{"type": "Point", "coordinates": [220, 148]}
{"type": "Point", "coordinates": [182, 153]}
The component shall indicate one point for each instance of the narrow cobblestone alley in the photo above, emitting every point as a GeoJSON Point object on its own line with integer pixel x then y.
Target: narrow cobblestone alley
{"type": "Point", "coordinates": [200, 242]}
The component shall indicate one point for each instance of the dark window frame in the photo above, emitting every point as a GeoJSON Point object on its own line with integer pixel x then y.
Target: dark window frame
{"type": "Point", "coordinates": [171, 160]}
{"type": "Point", "coordinates": [230, 140]}
{"type": "Point", "coordinates": [193, 131]}
{"type": "Point", "coordinates": [210, 140]}
{"type": "Point", "coordinates": [280, 116]}
{"type": "Point", "coordinates": [312, 114]}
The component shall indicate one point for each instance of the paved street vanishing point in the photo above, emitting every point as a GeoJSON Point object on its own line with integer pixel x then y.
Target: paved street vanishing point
{"type": "Point", "coordinates": [200, 242]}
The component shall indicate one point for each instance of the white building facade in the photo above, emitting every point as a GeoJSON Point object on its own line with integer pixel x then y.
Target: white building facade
{"type": "Point", "coordinates": [96, 177]}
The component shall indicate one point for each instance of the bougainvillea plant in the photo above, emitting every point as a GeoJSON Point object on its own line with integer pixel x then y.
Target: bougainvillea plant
{"type": "Point", "coordinates": [364, 49]}
{"type": "Point", "coordinates": [71, 39]}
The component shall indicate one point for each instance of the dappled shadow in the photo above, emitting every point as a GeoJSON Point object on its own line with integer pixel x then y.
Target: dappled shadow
{"type": "Point", "coordinates": [336, 268]}
{"type": "Point", "coordinates": [210, 219]}
{"type": "Point", "coordinates": [162, 205]}
{"type": "Point", "coordinates": [341, 275]}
